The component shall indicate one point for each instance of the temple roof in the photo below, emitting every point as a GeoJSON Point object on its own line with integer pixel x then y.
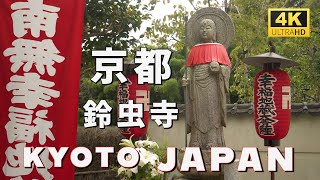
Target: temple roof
{"type": "Point", "coordinates": [296, 108]}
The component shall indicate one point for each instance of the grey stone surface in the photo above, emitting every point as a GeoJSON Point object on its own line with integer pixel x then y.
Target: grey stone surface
{"type": "Point", "coordinates": [207, 85]}
{"type": "Point", "coordinates": [225, 28]}
{"type": "Point", "coordinates": [176, 175]}
{"type": "Point", "coordinates": [206, 103]}
{"type": "Point", "coordinates": [231, 171]}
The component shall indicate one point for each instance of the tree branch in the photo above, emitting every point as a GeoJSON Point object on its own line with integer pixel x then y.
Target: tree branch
{"type": "Point", "coordinates": [192, 5]}
{"type": "Point", "coordinates": [237, 8]}
{"type": "Point", "coordinates": [89, 33]}
{"type": "Point", "coordinates": [260, 14]}
{"type": "Point", "coordinates": [230, 4]}
{"type": "Point", "coordinates": [173, 38]}
{"type": "Point", "coordinates": [104, 33]}
{"type": "Point", "coordinates": [86, 36]}
{"type": "Point", "coordinates": [226, 6]}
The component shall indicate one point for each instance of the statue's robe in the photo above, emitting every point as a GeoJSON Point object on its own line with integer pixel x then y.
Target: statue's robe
{"type": "Point", "coordinates": [206, 94]}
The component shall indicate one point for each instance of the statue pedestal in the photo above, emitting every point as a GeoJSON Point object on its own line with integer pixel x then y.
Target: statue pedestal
{"type": "Point", "coordinates": [231, 171]}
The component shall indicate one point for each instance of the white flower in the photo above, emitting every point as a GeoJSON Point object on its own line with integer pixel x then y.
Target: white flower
{"type": "Point", "coordinates": [125, 171]}
{"type": "Point", "coordinates": [134, 170]}
{"type": "Point", "coordinates": [139, 144]}
{"type": "Point", "coordinates": [152, 145]}
{"type": "Point", "coordinates": [147, 157]}
{"type": "Point", "coordinates": [121, 169]}
{"type": "Point", "coordinates": [154, 172]}
{"type": "Point", "coordinates": [160, 172]}
{"type": "Point", "coordinates": [146, 144]}
{"type": "Point", "coordinates": [127, 142]}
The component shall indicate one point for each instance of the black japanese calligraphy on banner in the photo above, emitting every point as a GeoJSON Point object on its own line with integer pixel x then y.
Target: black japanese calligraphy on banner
{"type": "Point", "coordinates": [272, 104]}
{"type": "Point", "coordinates": [133, 107]}
{"type": "Point", "coordinates": [266, 106]}
{"type": "Point", "coordinates": [123, 98]}
{"type": "Point", "coordinates": [123, 92]}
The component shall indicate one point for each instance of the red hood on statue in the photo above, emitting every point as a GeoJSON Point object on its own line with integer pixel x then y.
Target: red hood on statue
{"type": "Point", "coordinates": [208, 52]}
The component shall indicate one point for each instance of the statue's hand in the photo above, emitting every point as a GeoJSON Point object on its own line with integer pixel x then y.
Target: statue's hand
{"type": "Point", "coordinates": [214, 67]}
{"type": "Point", "coordinates": [185, 81]}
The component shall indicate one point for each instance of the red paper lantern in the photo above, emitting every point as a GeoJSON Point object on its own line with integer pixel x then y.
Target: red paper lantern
{"type": "Point", "coordinates": [272, 104]}
{"type": "Point", "coordinates": [131, 90]}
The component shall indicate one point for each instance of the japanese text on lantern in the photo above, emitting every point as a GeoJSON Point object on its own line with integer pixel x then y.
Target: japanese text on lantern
{"type": "Point", "coordinates": [31, 91]}
{"type": "Point", "coordinates": [266, 105]}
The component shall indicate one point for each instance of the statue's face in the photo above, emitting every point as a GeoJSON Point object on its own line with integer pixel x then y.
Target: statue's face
{"type": "Point", "coordinates": [207, 31]}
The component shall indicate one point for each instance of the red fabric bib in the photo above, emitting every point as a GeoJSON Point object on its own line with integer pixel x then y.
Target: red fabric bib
{"type": "Point", "coordinates": [206, 53]}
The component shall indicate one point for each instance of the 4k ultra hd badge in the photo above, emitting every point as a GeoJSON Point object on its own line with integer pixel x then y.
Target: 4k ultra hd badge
{"type": "Point", "coordinates": [288, 22]}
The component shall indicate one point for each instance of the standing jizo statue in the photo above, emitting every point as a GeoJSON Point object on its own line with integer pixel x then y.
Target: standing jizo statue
{"type": "Point", "coordinates": [207, 78]}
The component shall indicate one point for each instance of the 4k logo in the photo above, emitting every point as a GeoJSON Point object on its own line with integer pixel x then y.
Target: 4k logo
{"type": "Point", "coordinates": [287, 22]}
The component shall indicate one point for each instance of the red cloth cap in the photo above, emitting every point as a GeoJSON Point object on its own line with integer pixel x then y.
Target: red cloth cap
{"type": "Point", "coordinates": [206, 53]}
